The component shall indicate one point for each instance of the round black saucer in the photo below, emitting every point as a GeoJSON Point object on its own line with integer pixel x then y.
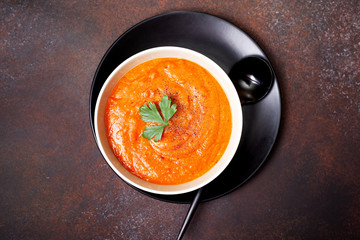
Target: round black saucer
{"type": "Point", "coordinates": [226, 45]}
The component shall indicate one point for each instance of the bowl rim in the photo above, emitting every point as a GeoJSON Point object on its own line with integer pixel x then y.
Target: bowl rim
{"type": "Point", "coordinates": [227, 86]}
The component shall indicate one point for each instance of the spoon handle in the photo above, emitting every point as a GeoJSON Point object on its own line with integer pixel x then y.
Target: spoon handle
{"type": "Point", "coordinates": [190, 214]}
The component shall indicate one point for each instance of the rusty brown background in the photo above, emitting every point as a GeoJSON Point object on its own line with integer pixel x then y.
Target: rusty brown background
{"type": "Point", "coordinates": [55, 184]}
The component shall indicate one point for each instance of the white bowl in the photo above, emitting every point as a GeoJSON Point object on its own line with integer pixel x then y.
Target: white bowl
{"type": "Point", "coordinates": [216, 72]}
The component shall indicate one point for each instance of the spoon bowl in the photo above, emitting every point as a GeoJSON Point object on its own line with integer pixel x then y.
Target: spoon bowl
{"type": "Point", "coordinates": [253, 78]}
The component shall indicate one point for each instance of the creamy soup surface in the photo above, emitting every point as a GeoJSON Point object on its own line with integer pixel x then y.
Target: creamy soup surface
{"type": "Point", "coordinates": [197, 135]}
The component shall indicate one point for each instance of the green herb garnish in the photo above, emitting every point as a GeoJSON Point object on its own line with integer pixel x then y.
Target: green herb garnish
{"type": "Point", "coordinates": [151, 114]}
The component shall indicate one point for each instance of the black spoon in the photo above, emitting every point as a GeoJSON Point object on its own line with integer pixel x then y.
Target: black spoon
{"type": "Point", "coordinates": [252, 77]}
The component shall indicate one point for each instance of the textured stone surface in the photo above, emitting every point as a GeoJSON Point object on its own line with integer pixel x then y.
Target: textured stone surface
{"type": "Point", "coordinates": [55, 184]}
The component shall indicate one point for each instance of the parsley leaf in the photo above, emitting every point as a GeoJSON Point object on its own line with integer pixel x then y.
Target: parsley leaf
{"type": "Point", "coordinates": [167, 110]}
{"type": "Point", "coordinates": [151, 114]}
{"type": "Point", "coordinates": [153, 131]}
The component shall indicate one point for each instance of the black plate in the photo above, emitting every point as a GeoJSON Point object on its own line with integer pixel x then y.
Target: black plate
{"type": "Point", "coordinates": [225, 44]}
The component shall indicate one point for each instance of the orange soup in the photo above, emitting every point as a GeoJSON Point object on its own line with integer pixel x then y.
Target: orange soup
{"type": "Point", "coordinates": [197, 135]}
